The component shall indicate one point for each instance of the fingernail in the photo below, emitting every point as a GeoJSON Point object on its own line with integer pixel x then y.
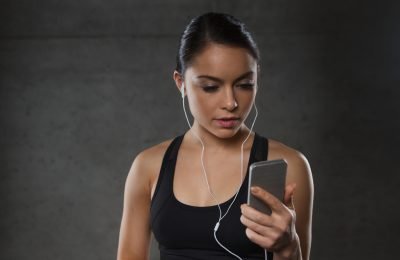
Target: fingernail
{"type": "Point", "coordinates": [254, 190]}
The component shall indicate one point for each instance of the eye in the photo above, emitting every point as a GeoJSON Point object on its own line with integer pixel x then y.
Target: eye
{"type": "Point", "coordinates": [209, 88]}
{"type": "Point", "coordinates": [248, 86]}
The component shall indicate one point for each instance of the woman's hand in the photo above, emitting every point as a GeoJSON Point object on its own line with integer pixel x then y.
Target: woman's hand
{"type": "Point", "coordinates": [275, 232]}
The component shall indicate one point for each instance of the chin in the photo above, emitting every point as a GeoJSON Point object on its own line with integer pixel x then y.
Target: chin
{"type": "Point", "coordinates": [226, 133]}
{"type": "Point", "coordinates": [221, 132]}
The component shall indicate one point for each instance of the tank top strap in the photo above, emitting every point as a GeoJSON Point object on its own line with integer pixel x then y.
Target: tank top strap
{"type": "Point", "coordinates": [164, 186]}
{"type": "Point", "coordinates": [261, 148]}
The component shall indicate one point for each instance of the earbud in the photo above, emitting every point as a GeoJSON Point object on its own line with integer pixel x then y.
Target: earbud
{"type": "Point", "coordinates": [183, 90]}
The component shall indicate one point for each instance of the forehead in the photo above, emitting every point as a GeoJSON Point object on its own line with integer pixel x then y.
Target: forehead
{"type": "Point", "coordinates": [222, 61]}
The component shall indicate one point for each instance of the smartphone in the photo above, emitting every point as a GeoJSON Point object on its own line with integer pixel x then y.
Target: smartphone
{"type": "Point", "coordinates": [271, 176]}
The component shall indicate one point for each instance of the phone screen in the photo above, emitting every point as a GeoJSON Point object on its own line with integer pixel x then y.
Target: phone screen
{"type": "Point", "coordinates": [269, 175]}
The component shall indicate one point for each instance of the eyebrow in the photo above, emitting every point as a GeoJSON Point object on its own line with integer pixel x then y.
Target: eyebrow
{"type": "Point", "coordinates": [245, 75]}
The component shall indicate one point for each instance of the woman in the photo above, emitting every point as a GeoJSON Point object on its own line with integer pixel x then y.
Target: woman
{"type": "Point", "coordinates": [180, 189]}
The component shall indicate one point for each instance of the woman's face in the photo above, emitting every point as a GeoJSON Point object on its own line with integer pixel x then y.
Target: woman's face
{"type": "Point", "coordinates": [221, 86]}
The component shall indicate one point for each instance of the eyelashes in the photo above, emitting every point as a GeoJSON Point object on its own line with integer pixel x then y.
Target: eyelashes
{"type": "Point", "coordinates": [210, 89]}
{"type": "Point", "coordinates": [245, 86]}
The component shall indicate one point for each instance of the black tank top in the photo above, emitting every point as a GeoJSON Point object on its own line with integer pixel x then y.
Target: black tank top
{"type": "Point", "coordinates": [186, 232]}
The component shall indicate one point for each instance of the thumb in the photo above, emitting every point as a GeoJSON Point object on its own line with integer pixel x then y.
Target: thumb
{"type": "Point", "coordinates": [289, 191]}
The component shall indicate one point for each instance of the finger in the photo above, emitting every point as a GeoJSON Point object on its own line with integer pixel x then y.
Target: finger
{"type": "Point", "coordinates": [255, 226]}
{"type": "Point", "coordinates": [256, 216]}
{"type": "Point", "coordinates": [264, 242]}
{"type": "Point", "coordinates": [289, 192]}
{"type": "Point", "coordinates": [274, 203]}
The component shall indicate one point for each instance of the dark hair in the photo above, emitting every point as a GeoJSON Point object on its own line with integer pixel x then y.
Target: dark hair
{"type": "Point", "coordinates": [212, 27]}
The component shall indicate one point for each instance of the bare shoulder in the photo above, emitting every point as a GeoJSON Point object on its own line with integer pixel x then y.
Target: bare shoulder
{"type": "Point", "coordinates": [298, 165]}
{"type": "Point", "coordinates": [150, 157]}
{"type": "Point", "coordinates": [147, 163]}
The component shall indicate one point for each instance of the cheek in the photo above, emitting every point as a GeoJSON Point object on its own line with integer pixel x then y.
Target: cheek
{"type": "Point", "coordinates": [201, 104]}
{"type": "Point", "coordinates": [245, 100]}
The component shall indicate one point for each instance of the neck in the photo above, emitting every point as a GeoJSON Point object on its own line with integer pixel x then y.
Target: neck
{"type": "Point", "coordinates": [214, 142]}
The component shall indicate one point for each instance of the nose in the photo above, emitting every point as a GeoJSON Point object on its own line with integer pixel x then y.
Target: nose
{"type": "Point", "coordinates": [229, 99]}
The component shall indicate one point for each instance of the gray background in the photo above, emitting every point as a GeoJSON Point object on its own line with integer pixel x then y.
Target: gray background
{"type": "Point", "coordinates": [86, 85]}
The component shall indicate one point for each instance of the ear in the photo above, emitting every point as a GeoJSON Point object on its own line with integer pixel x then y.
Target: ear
{"type": "Point", "coordinates": [178, 80]}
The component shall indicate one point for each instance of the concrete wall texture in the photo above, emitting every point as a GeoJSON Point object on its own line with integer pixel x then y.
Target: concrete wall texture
{"type": "Point", "coordinates": [86, 85]}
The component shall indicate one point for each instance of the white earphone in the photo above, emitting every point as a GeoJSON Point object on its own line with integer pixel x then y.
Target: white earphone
{"type": "Point", "coordinates": [183, 90]}
{"type": "Point", "coordinates": [221, 216]}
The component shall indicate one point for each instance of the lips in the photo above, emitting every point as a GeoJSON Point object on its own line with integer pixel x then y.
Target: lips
{"type": "Point", "coordinates": [227, 122]}
{"type": "Point", "coordinates": [228, 118]}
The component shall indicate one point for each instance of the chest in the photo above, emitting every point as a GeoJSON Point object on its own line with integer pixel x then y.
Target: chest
{"type": "Point", "coordinates": [222, 174]}
{"type": "Point", "coordinates": [179, 226]}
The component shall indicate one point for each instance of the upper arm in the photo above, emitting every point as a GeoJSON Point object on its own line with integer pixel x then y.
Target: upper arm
{"type": "Point", "coordinates": [134, 238]}
{"type": "Point", "coordinates": [299, 172]}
